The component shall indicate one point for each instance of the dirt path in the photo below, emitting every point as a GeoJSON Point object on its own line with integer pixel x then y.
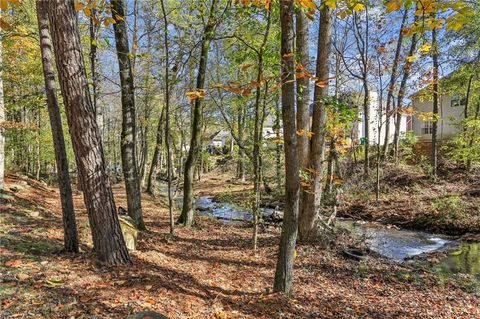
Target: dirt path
{"type": "Point", "coordinates": [205, 272]}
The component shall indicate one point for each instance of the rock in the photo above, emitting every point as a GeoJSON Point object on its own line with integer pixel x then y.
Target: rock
{"type": "Point", "coordinates": [147, 315]}
{"type": "Point", "coordinates": [129, 231]}
{"type": "Point", "coordinates": [473, 192]}
{"type": "Point", "coordinates": [33, 213]}
{"type": "Point", "coordinates": [16, 188]}
{"type": "Point", "coordinates": [5, 198]}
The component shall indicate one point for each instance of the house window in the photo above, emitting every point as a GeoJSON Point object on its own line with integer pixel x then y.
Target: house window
{"type": "Point", "coordinates": [458, 101]}
{"type": "Point", "coordinates": [427, 127]}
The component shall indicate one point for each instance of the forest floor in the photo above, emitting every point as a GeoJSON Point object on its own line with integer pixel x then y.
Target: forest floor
{"type": "Point", "coordinates": [205, 272]}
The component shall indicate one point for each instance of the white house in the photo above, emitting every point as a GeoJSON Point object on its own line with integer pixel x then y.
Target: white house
{"type": "Point", "coordinates": [221, 139]}
{"type": "Point", "coordinates": [451, 113]}
{"type": "Point", "coordinates": [378, 120]}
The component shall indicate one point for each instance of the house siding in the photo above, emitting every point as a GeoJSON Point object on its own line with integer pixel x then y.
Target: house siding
{"type": "Point", "coordinates": [449, 123]}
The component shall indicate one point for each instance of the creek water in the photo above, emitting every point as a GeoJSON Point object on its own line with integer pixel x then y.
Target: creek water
{"type": "Point", "coordinates": [393, 243]}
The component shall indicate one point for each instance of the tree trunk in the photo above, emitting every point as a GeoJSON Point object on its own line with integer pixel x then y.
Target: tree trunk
{"type": "Point", "coordinates": [167, 122]}
{"type": "Point", "coordinates": [284, 269]}
{"type": "Point", "coordinates": [157, 154]}
{"type": "Point", "coordinates": [129, 135]}
{"type": "Point", "coordinates": [303, 98]}
{"type": "Point", "coordinates": [68, 211]}
{"type": "Point", "coordinates": [434, 155]}
{"type": "Point", "coordinates": [307, 227]}
{"type": "Point", "coordinates": [401, 94]}
{"type": "Point", "coordinates": [2, 119]}
{"type": "Point", "coordinates": [257, 137]}
{"type": "Point", "coordinates": [366, 127]}
{"type": "Point", "coordinates": [187, 215]}
{"type": "Point", "coordinates": [108, 241]}
{"type": "Point", "coordinates": [391, 85]}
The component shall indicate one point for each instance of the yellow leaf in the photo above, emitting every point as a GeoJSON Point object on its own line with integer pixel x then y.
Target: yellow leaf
{"type": "Point", "coordinates": [358, 7]}
{"type": "Point", "coordinates": [394, 5]}
{"type": "Point", "coordinates": [425, 48]}
{"type": "Point", "coordinates": [79, 6]}
{"type": "Point", "coordinates": [332, 4]}
{"type": "Point", "coordinates": [412, 58]}
{"type": "Point", "coordinates": [307, 4]}
{"type": "Point", "coordinates": [87, 12]}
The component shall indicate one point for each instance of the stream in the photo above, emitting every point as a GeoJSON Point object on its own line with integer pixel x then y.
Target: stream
{"type": "Point", "coordinates": [396, 244]}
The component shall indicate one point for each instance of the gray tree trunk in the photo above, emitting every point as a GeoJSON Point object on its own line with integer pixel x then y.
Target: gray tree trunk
{"type": "Point", "coordinates": [308, 218]}
{"type": "Point", "coordinates": [129, 128]}
{"type": "Point", "coordinates": [303, 98]}
{"type": "Point", "coordinates": [284, 269]}
{"type": "Point", "coordinates": [66, 198]}
{"type": "Point", "coordinates": [187, 215]}
{"type": "Point", "coordinates": [108, 241]}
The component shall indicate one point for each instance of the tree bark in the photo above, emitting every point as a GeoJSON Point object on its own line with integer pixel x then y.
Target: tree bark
{"type": "Point", "coordinates": [257, 136]}
{"type": "Point", "coordinates": [108, 241]}
{"type": "Point", "coordinates": [307, 226]}
{"type": "Point", "coordinates": [2, 119]}
{"type": "Point", "coordinates": [187, 215]}
{"type": "Point", "coordinates": [391, 84]}
{"type": "Point", "coordinates": [157, 154]}
{"type": "Point", "coordinates": [303, 97]}
{"type": "Point", "coordinates": [129, 128]}
{"type": "Point", "coordinates": [284, 269]}
{"type": "Point", "coordinates": [401, 94]}
{"type": "Point", "coordinates": [66, 198]}
{"type": "Point", "coordinates": [434, 155]}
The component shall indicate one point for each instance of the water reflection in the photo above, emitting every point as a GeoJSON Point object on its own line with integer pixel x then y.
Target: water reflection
{"type": "Point", "coordinates": [394, 243]}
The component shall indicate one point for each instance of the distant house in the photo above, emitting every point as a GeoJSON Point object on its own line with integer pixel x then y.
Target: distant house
{"type": "Point", "coordinates": [451, 109]}
{"type": "Point", "coordinates": [378, 120]}
{"type": "Point", "coordinates": [221, 139]}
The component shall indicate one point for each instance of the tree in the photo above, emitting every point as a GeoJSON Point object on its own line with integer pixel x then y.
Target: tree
{"type": "Point", "coordinates": [66, 198]}
{"type": "Point", "coordinates": [2, 118]}
{"type": "Point", "coordinates": [308, 218]}
{"type": "Point", "coordinates": [284, 269]}
{"type": "Point", "coordinates": [186, 217]}
{"type": "Point", "coordinates": [129, 129]}
{"type": "Point", "coordinates": [391, 84]}
{"type": "Point", "coordinates": [434, 155]}
{"type": "Point", "coordinates": [108, 241]}
{"type": "Point", "coordinates": [303, 97]}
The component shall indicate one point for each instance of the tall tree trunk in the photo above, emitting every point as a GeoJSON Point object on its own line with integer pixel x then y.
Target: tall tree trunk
{"type": "Point", "coordinates": [472, 137]}
{"type": "Point", "coordinates": [401, 94]}
{"type": "Point", "coordinates": [434, 155]}
{"type": "Point", "coordinates": [38, 163]}
{"type": "Point", "coordinates": [278, 147]}
{"type": "Point", "coordinates": [303, 98]}
{"type": "Point", "coordinates": [2, 118]}
{"type": "Point", "coordinates": [307, 226]}
{"type": "Point", "coordinates": [467, 100]}
{"type": "Point", "coordinates": [68, 211]}
{"type": "Point", "coordinates": [157, 154]}
{"type": "Point", "coordinates": [284, 269]}
{"type": "Point", "coordinates": [129, 135]}
{"type": "Point", "coordinates": [391, 85]}
{"type": "Point", "coordinates": [366, 128]}
{"type": "Point", "coordinates": [187, 215]}
{"type": "Point", "coordinates": [167, 121]}
{"type": "Point", "coordinates": [257, 136]}
{"type": "Point", "coordinates": [108, 241]}
{"type": "Point", "coordinates": [93, 28]}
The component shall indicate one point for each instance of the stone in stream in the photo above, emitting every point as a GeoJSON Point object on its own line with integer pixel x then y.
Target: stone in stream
{"type": "Point", "coordinates": [147, 315]}
{"type": "Point", "coordinates": [129, 231]}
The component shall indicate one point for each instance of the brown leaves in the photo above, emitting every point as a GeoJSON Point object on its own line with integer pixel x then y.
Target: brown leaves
{"type": "Point", "coordinates": [194, 95]}
{"type": "Point", "coordinates": [13, 263]}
